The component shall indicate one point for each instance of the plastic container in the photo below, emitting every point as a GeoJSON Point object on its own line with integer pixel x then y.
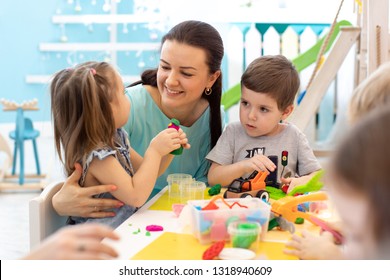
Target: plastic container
{"type": "Point", "coordinates": [192, 190]}
{"type": "Point", "coordinates": [245, 235]}
{"type": "Point", "coordinates": [212, 225]}
{"type": "Point", "coordinates": [175, 182]}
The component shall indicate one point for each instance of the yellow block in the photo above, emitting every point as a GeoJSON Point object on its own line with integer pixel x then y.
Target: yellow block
{"type": "Point", "coordinates": [164, 203]}
{"type": "Point", "coordinates": [176, 246]}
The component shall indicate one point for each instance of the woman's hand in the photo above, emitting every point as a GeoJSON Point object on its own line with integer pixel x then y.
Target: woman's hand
{"type": "Point", "coordinates": [79, 242]}
{"type": "Point", "coordinates": [73, 200]}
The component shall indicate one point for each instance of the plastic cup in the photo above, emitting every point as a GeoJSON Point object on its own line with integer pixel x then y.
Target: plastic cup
{"type": "Point", "coordinates": [192, 190]}
{"type": "Point", "coordinates": [245, 235]}
{"type": "Point", "coordinates": [175, 182]}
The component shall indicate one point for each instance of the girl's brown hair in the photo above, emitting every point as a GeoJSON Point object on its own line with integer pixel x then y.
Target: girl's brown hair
{"type": "Point", "coordinates": [81, 110]}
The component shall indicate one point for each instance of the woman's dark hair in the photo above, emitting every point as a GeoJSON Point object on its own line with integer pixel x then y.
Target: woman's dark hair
{"type": "Point", "coordinates": [201, 35]}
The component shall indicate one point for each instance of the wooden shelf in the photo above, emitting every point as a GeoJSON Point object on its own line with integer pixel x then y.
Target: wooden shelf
{"type": "Point", "coordinates": [66, 47]}
{"type": "Point", "coordinates": [45, 79]}
{"type": "Point", "coordinates": [101, 19]}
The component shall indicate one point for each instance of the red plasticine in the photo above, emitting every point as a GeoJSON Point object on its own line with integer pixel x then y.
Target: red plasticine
{"type": "Point", "coordinates": [213, 251]}
{"type": "Point", "coordinates": [154, 228]}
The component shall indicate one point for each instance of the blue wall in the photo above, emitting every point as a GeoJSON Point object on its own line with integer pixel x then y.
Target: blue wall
{"type": "Point", "coordinates": [26, 24]}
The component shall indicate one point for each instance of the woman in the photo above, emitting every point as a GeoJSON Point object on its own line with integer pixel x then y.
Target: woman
{"type": "Point", "coordinates": [186, 86]}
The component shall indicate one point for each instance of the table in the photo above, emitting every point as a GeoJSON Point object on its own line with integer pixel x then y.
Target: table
{"type": "Point", "coordinates": [175, 242]}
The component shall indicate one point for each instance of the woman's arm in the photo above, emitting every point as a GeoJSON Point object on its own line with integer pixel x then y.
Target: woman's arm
{"type": "Point", "coordinates": [73, 200]}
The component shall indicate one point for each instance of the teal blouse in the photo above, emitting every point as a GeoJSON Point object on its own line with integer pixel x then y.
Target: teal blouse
{"type": "Point", "coordinates": [147, 120]}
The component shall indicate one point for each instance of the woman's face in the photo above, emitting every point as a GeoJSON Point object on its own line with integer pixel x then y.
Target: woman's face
{"type": "Point", "coordinates": [182, 75]}
{"type": "Point", "coordinates": [353, 209]}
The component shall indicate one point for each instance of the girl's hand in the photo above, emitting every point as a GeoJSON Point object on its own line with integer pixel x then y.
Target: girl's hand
{"type": "Point", "coordinates": [166, 141]}
{"type": "Point", "coordinates": [258, 163]}
{"type": "Point", "coordinates": [293, 182]}
{"type": "Point", "coordinates": [309, 246]}
{"type": "Point", "coordinates": [183, 139]}
{"type": "Point", "coordinates": [73, 200]}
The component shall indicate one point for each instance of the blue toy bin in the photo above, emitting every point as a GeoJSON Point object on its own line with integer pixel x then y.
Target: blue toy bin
{"type": "Point", "coordinates": [212, 225]}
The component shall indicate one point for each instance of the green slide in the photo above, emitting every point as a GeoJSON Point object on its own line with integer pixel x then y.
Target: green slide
{"type": "Point", "coordinates": [302, 61]}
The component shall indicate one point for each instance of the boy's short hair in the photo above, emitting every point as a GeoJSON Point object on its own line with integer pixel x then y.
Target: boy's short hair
{"type": "Point", "coordinates": [275, 76]}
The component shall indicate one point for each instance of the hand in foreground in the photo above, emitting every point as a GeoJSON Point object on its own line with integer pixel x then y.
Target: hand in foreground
{"type": "Point", "coordinates": [293, 182]}
{"type": "Point", "coordinates": [73, 200]}
{"type": "Point", "coordinates": [313, 247]}
{"type": "Point", "coordinates": [79, 242]}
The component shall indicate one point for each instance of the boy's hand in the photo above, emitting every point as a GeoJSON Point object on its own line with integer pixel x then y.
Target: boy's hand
{"type": "Point", "coordinates": [258, 163]}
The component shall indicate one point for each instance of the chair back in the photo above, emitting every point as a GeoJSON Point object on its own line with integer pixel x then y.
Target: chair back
{"type": "Point", "coordinates": [44, 220]}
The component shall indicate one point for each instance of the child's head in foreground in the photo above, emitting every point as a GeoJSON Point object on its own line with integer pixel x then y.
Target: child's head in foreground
{"type": "Point", "coordinates": [88, 104]}
{"type": "Point", "coordinates": [360, 186]}
{"type": "Point", "coordinates": [268, 89]}
{"type": "Point", "coordinates": [373, 91]}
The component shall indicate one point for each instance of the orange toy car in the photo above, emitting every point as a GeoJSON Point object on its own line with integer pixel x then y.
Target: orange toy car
{"type": "Point", "coordinates": [254, 185]}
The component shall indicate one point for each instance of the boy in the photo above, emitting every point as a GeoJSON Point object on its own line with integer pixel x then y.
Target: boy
{"type": "Point", "coordinates": [261, 141]}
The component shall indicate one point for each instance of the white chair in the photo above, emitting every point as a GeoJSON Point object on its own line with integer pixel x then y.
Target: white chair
{"type": "Point", "coordinates": [44, 220]}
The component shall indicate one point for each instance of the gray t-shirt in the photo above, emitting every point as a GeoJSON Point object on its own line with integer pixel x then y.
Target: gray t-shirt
{"type": "Point", "coordinates": [289, 150]}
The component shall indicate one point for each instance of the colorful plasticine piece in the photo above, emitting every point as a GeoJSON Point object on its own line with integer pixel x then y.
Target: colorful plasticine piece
{"type": "Point", "coordinates": [214, 190]}
{"type": "Point", "coordinates": [245, 240]}
{"type": "Point", "coordinates": [213, 251]}
{"type": "Point", "coordinates": [176, 125]}
{"type": "Point", "coordinates": [154, 228]}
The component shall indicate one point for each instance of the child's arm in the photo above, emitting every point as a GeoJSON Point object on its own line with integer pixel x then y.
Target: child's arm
{"type": "Point", "coordinates": [225, 174]}
{"type": "Point", "coordinates": [136, 190]}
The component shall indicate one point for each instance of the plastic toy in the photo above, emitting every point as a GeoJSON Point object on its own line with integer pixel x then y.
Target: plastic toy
{"type": "Point", "coordinates": [339, 238]}
{"type": "Point", "coordinates": [211, 222]}
{"type": "Point", "coordinates": [212, 206]}
{"type": "Point", "coordinates": [280, 223]}
{"type": "Point", "coordinates": [287, 207]}
{"type": "Point", "coordinates": [176, 125]}
{"type": "Point", "coordinates": [254, 185]}
{"type": "Point", "coordinates": [245, 234]}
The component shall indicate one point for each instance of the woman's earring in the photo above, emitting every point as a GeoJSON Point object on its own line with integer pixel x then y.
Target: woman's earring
{"type": "Point", "coordinates": [208, 91]}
